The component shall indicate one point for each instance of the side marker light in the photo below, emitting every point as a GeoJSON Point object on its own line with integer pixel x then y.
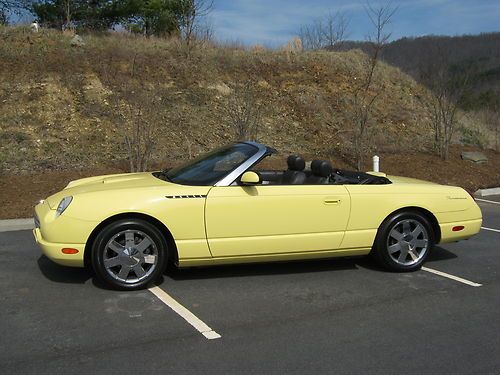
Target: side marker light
{"type": "Point", "coordinates": [68, 250]}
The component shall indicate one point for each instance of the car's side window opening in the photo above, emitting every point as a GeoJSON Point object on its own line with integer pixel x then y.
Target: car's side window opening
{"type": "Point", "coordinates": [273, 170]}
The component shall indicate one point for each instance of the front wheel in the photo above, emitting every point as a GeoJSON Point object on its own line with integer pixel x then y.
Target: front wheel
{"type": "Point", "coordinates": [129, 254]}
{"type": "Point", "coordinates": [403, 242]}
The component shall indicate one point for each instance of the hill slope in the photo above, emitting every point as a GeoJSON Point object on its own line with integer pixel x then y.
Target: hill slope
{"type": "Point", "coordinates": [65, 111]}
{"type": "Point", "coordinates": [65, 107]}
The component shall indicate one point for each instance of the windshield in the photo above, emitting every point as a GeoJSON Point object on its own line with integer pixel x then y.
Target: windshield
{"type": "Point", "coordinates": [212, 167]}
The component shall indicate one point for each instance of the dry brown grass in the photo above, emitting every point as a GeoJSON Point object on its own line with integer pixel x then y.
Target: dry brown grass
{"type": "Point", "coordinates": [62, 107]}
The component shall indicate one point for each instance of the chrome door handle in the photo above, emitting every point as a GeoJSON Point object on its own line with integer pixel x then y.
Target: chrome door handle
{"type": "Point", "coordinates": [332, 200]}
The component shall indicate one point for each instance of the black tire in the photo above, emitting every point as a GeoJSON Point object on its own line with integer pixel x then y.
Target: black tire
{"type": "Point", "coordinates": [403, 232]}
{"type": "Point", "coordinates": [121, 242]}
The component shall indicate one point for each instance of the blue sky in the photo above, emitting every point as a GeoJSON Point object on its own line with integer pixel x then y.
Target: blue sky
{"type": "Point", "coordinates": [274, 22]}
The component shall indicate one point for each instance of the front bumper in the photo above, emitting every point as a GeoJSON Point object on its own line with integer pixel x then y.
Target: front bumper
{"type": "Point", "coordinates": [54, 234]}
{"type": "Point", "coordinates": [54, 251]}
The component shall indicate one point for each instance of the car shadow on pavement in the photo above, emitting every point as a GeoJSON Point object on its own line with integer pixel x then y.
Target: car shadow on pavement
{"type": "Point", "coordinates": [70, 275]}
{"type": "Point", "coordinates": [60, 274]}
{"type": "Point", "coordinates": [260, 269]}
{"type": "Point", "coordinates": [439, 254]}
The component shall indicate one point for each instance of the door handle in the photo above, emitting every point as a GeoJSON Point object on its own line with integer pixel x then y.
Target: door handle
{"type": "Point", "coordinates": [332, 200]}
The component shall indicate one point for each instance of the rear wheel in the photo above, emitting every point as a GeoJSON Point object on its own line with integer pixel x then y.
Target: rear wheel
{"type": "Point", "coordinates": [129, 254]}
{"type": "Point", "coordinates": [403, 242]}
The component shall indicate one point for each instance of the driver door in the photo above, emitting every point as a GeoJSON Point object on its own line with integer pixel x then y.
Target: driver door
{"type": "Point", "coordinates": [272, 219]}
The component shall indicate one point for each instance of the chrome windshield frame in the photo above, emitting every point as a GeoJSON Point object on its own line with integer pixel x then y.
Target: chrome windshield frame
{"type": "Point", "coordinates": [233, 176]}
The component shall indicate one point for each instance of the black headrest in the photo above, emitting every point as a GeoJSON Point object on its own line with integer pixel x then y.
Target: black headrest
{"type": "Point", "coordinates": [295, 163]}
{"type": "Point", "coordinates": [321, 168]}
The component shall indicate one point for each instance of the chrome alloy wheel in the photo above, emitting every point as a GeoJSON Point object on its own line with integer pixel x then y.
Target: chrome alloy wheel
{"type": "Point", "coordinates": [130, 256]}
{"type": "Point", "coordinates": [407, 242]}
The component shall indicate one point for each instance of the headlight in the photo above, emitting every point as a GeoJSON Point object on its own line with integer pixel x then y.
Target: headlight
{"type": "Point", "coordinates": [63, 205]}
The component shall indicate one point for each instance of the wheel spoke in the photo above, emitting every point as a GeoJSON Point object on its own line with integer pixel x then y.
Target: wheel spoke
{"type": "Point", "coordinates": [136, 256]}
{"type": "Point", "coordinates": [139, 271]}
{"type": "Point", "coordinates": [116, 247]}
{"type": "Point", "coordinates": [413, 254]}
{"type": "Point", "coordinates": [394, 248]}
{"type": "Point", "coordinates": [123, 274]}
{"type": "Point", "coordinates": [129, 239]}
{"type": "Point", "coordinates": [407, 242]}
{"type": "Point", "coordinates": [421, 243]}
{"type": "Point", "coordinates": [112, 262]}
{"type": "Point", "coordinates": [396, 234]}
{"type": "Point", "coordinates": [143, 245]}
{"type": "Point", "coordinates": [406, 227]}
{"type": "Point", "coordinates": [403, 255]}
{"type": "Point", "coordinates": [417, 231]}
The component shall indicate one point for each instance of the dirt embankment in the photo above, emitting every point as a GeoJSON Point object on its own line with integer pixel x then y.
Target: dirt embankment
{"type": "Point", "coordinates": [65, 111]}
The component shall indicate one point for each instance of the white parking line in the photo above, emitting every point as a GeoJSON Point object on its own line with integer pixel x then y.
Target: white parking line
{"type": "Point", "coordinates": [487, 201]}
{"type": "Point", "coordinates": [452, 277]}
{"type": "Point", "coordinates": [490, 229]}
{"type": "Point", "coordinates": [188, 316]}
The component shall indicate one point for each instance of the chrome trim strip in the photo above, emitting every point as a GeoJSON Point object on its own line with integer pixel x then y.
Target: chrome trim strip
{"type": "Point", "coordinates": [231, 177]}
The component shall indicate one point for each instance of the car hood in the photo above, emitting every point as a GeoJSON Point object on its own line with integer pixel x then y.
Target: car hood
{"type": "Point", "coordinates": [107, 182]}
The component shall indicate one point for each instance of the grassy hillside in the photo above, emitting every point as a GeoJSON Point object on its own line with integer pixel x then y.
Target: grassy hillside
{"type": "Point", "coordinates": [65, 111]}
{"type": "Point", "coordinates": [67, 107]}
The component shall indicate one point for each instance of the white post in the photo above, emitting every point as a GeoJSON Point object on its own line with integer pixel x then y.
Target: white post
{"type": "Point", "coordinates": [376, 164]}
{"type": "Point", "coordinates": [34, 27]}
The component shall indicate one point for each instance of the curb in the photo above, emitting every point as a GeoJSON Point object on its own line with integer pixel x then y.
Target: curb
{"type": "Point", "coordinates": [16, 224]}
{"type": "Point", "coordinates": [487, 192]}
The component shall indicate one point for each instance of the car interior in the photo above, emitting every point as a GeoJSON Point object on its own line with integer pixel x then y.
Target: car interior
{"type": "Point", "coordinates": [318, 172]}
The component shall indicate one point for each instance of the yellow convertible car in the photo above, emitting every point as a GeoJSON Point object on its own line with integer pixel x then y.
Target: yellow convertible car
{"type": "Point", "coordinates": [225, 207]}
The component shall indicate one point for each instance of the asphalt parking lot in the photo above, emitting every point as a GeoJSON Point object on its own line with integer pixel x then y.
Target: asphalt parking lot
{"type": "Point", "coordinates": [333, 316]}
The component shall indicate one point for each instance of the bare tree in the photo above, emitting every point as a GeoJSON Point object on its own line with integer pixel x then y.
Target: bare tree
{"type": "Point", "coordinates": [495, 123]}
{"type": "Point", "coordinates": [365, 94]}
{"type": "Point", "coordinates": [328, 32]}
{"type": "Point", "coordinates": [204, 32]}
{"type": "Point", "coordinates": [67, 4]}
{"type": "Point", "coordinates": [138, 111]}
{"type": "Point", "coordinates": [312, 35]}
{"type": "Point", "coordinates": [448, 84]}
{"type": "Point", "coordinates": [335, 30]}
{"type": "Point", "coordinates": [491, 116]}
{"type": "Point", "coordinates": [192, 14]}
{"type": "Point", "coordinates": [139, 138]}
{"type": "Point", "coordinates": [380, 18]}
{"type": "Point", "coordinates": [244, 112]}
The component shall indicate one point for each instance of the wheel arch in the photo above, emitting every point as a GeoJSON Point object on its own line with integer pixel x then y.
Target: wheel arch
{"type": "Point", "coordinates": [173, 257]}
{"type": "Point", "coordinates": [425, 213]}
